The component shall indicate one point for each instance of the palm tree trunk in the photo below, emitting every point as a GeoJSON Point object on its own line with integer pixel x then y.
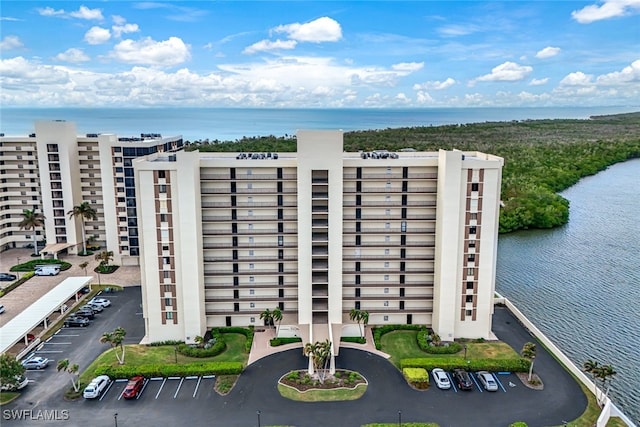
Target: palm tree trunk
{"type": "Point", "coordinates": [530, 370]}
{"type": "Point", "coordinates": [35, 242]}
{"type": "Point", "coordinates": [84, 240]}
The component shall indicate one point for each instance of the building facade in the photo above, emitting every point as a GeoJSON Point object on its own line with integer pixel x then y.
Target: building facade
{"type": "Point", "coordinates": [55, 169]}
{"type": "Point", "coordinates": [409, 237]}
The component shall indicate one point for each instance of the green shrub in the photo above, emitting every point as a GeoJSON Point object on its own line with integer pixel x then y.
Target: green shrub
{"type": "Point", "coordinates": [450, 363]}
{"type": "Point", "coordinates": [167, 342]}
{"type": "Point", "coordinates": [518, 424]}
{"type": "Point", "coordinates": [378, 332]}
{"type": "Point", "coordinates": [171, 370]}
{"type": "Point", "coordinates": [247, 332]}
{"type": "Point", "coordinates": [31, 265]}
{"type": "Point", "coordinates": [275, 342]}
{"type": "Point", "coordinates": [418, 377]}
{"type": "Point", "coordinates": [358, 340]}
{"type": "Point", "coordinates": [16, 283]}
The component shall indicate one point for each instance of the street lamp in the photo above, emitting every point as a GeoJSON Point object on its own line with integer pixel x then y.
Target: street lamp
{"type": "Point", "coordinates": [175, 353]}
{"type": "Point", "coordinates": [465, 352]}
{"type": "Point", "coordinates": [115, 419]}
{"type": "Point", "coordinates": [18, 271]}
{"type": "Point", "coordinates": [258, 414]}
{"type": "Point", "coordinates": [399, 418]}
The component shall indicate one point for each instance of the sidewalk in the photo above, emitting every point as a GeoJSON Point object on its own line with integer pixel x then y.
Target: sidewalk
{"type": "Point", "coordinates": [262, 348]}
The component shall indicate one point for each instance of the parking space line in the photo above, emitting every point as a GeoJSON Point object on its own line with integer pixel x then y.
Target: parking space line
{"type": "Point", "coordinates": [453, 385]}
{"type": "Point", "coordinates": [107, 390]}
{"type": "Point", "coordinates": [69, 335]}
{"type": "Point", "coordinates": [473, 377]}
{"type": "Point", "coordinates": [161, 386]}
{"type": "Point", "coordinates": [58, 343]}
{"type": "Point", "coordinates": [144, 385]}
{"type": "Point", "coordinates": [178, 389]}
{"type": "Point", "coordinates": [49, 351]}
{"type": "Point", "coordinates": [499, 383]}
{"type": "Point", "coordinates": [197, 385]}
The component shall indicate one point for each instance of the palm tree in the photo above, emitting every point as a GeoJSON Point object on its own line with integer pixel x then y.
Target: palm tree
{"type": "Point", "coordinates": [84, 211]}
{"type": "Point", "coordinates": [65, 365]}
{"type": "Point", "coordinates": [364, 317]}
{"type": "Point", "coordinates": [356, 315]}
{"type": "Point", "coordinates": [267, 316]}
{"type": "Point", "coordinates": [276, 315]}
{"type": "Point", "coordinates": [606, 374]}
{"type": "Point", "coordinates": [529, 352]}
{"type": "Point", "coordinates": [199, 341]}
{"type": "Point", "coordinates": [30, 221]}
{"type": "Point", "coordinates": [104, 257]}
{"type": "Point", "coordinates": [84, 266]}
{"type": "Point", "coordinates": [593, 367]}
{"type": "Point", "coordinates": [319, 353]}
{"type": "Point", "coordinates": [115, 339]}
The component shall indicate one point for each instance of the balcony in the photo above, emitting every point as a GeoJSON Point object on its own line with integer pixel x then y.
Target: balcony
{"type": "Point", "coordinates": [252, 177]}
{"type": "Point", "coordinates": [394, 176]}
{"type": "Point", "coordinates": [387, 190]}
{"type": "Point", "coordinates": [384, 203]}
{"type": "Point", "coordinates": [383, 257]}
{"type": "Point", "coordinates": [250, 259]}
{"type": "Point", "coordinates": [274, 204]}
{"type": "Point", "coordinates": [253, 232]}
{"type": "Point", "coordinates": [348, 230]}
{"type": "Point", "coordinates": [227, 218]}
{"type": "Point", "coordinates": [253, 272]}
{"type": "Point", "coordinates": [389, 270]}
{"type": "Point", "coordinates": [248, 191]}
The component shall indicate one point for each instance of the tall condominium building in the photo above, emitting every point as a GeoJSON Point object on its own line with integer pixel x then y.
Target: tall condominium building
{"type": "Point", "coordinates": [409, 237]}
{"type": "Point", "coordinates": [54, 170]}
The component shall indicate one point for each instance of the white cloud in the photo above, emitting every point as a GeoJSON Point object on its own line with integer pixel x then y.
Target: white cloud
{"type": "Point", "coordinates": [10, 42]}
{"type": "Point", "coordinates": [505, 72]}
{"type": "Point", "coordinates": [320, 30]}
{"type": "Point", "coordinates": [20, 70]}
{"type": "Point", "coordinates": [49, 11]}
{"type": "Point", "coordinates": [150, 52]}
{"type": "Point", "coordinates": [408, 67]}
{"type": "Point", "coordinates": [424, 98]}
{"type": "Point", "coordinates": [435, 85]}
{"type": "Point", "coordinates": [72, 55]}
{"type": "Point", "coordinates": [401, 98]}
{"type": "Point", "coordinates": [539, 82]}
{"type": "Point", "coordinates": [120, 29]}
{"type": "Point", "coordinates": [97, 35]}
{"type": "Point", "coordinates": [548, 52]}
{"type": "Point", "coordinates": [267, 45]}
{"type": "Point", "coordinates": [577, 79]}
{"type": "Point", "coordinates": [85, 13]}
{"type": "Point", "coordinates": [606, 10]}
{"type": "Point", "coordinates": [629, 74]}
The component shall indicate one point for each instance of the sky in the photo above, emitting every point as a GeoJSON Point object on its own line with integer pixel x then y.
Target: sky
{"type": "Point", "coordinates": [319, 54]}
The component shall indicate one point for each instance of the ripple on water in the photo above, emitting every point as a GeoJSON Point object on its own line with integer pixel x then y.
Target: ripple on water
{"type": "Point", "coordinates": [580, 283]}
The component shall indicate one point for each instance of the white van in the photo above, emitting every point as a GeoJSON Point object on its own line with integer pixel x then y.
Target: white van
{"type": "Point", "coordinates": [96, 387]}
{"type": "Point", "coordinates": [47, 270]}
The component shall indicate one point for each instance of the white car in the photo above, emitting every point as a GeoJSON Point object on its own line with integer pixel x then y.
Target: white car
{"type": "Point", "coordinates": [441, 378]}
{"type": "Point", "coordinates": [102, 302]}
{"type": "Point", "coordinates": [21, 382]}
{"type": "Point", "coordinates": [96, 387]}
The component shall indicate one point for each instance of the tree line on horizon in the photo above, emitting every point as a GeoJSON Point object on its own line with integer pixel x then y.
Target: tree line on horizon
{"type": "Point", "coordinates": [541, 157]}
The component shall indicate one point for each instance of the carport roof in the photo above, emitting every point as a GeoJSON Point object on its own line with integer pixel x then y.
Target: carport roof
{"type": "Point", "coordinates": [15, 330]}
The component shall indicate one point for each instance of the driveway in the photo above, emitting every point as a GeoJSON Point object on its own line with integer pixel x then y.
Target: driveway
{"type": "Point", "coordinates": [175, 401]}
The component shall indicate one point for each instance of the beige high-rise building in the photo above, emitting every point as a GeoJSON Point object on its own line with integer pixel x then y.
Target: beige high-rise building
{"type": "Point", "coordinates": [409, 237]}
{"type": "Point", "coordinates": [55, 169]}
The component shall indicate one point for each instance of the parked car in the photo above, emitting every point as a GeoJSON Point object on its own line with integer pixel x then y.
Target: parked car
{"type": "Point", "coordinates": [1, 309]}
{"type": "Point", "coordinates": [85, 312]}
{"type": "Point", "coordinates": [21, 382]}
{"type": "Point", "coordinates": [100, 301]}
{"type": "Point", "coordinates": [133, 388]}
{"type": "Point", "coordinates": [488, 382]}
{"type": "Point", "coordinates": [96, 387]}
{"type": "Point", "coordinates": [35, 363]}
{"type": "Point", "coordinates": [76, 321]}
{"type": "Point", "coordinates": [6, 277]}
{"type": "Point", "coordinates": [462, 379]}
{"type": "Point", "coordinates": [441, 378]}
{"type": "Point", "coordinates": [93, 307]}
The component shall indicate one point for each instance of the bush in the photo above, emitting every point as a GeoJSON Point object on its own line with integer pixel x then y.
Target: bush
{"type": "Point", "coordinates": [275, 342]}
{"type": "Point", "coordinates": [171, 370]}
{"type": "Point", "coordinates": [247, 332]}
{"type": "Point", "coordinates": [217, 348]}
{"type": "Point", "coordinates": [16, 283]}
{"type": "Point", "coordinates": [106, 269]}
{"type": "Point", "coordinates": [418, 377]}
{"type": "Point", "coordinates": [161, 343]}
{"type": "Point", "coordinates": [449, 363]}
{"type": "Point", "coordinates": [358, 340]}
{"type": "Point", "coordinates": [518, 424]}
{"type": "Point", "coordinates": [31, 265]}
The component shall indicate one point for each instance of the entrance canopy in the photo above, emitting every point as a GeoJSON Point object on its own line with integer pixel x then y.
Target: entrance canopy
{"type": "Point", "coordinates": [54, 248]}
{"type": "Point", "coordinates": [16, 329]}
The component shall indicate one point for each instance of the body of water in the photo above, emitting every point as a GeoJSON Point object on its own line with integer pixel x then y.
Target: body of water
{"type": "Point", "coordinates": [232, 124]}
{"type": "Point", "coordinates": [580, 283]}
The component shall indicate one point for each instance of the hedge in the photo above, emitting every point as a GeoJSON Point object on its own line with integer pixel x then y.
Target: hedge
{"type": "Point", "coordinates": [378, 332]}
{"type": "Point", "coordinates": [247, 332]}
{"type": "Point", "coordinates": [31, 265]}
{"type": "Point", "coordinates": [275, 342]}
{"type": "Point", "coordinates": [449, 363]}
{"type": "Point", "coordinates": [163, 343]}
{"type": "Point", "coordinates": [171, 370]}
{"type": "Point", "coordinates": [425, 344]}
{"type": "Point", "coordinates": [358, 340]}
{"type": "Point", "coordinates": [16, 283]}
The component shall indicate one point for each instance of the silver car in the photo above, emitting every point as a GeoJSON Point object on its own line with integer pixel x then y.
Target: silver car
{"type": "Point", "coordinates": [35, 363]}
{"type": "Point", "coordinates": [488, 381]}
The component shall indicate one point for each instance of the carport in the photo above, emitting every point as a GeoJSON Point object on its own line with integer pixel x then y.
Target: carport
{"type": "Point", "coordinates": [18, 327]}
{"type": "Point", "coordinates": [54, 249]}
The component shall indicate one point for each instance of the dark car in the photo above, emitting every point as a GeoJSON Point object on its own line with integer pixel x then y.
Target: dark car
{"type": "Point", "coordinates": [133, 388]}
{"type": "Point", "coordinates": [6, 277]}
{"type": "Point", "coordinates": [462, 379]}
{"type": "Point", "coordinates": [76, 321]}
{"type": "Point", "coordinates": [85, 312]}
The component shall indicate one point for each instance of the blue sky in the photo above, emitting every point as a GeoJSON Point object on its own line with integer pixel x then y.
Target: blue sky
{"type": "Point", "coordinates": [320, 54]}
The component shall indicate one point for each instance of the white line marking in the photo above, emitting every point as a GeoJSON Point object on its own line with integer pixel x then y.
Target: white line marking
{"type": "Point", "coordinates": [197, 385]}
{"type": "Point", "coordinates": [58, 343]}
{"type": "Point", "coordinates": [107, 390]}
{"type": "Point", "coordinates": [161, 385]}
{"type": "Point", "coordinates": [49, 351]}
{"type": "Point", "coordinates": [178, 389]}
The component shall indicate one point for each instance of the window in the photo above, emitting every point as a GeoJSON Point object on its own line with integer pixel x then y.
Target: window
{"type": "Point", "coordinates": [162, 188]}
{"type": "Point", "coordinates": [387, 198]}
{"type": "Point", "coordinates": [387, 212]}
{"type": "Point", "coordinates": [386, 303]}
{"type": "Point", "coordinates": [166, 260]}
{"type": "Point", "coordinates": [165, 247]}
{"type": "Point", "coordinates": [167, 302]}
{"type": "Point", "coordinates": [387, 225]}
{"type": "Point", "coordinates": [250, 212]}
{"type": "Point", "coordinates": [251, 252]}
{"type": "Point", "coordinates": [474, 186]}
{"type": "Point", "coordinates": [470, 271]}
{"type": "Point", "coordinates": [386, 318]}
{"type": "Point", "coordinates": [252, 305]}
{"type": "Point", "coordinates": [386, 251]}
{"type": "Point", "coordinates": [280, 241]}
{"type": "Point", "coordinates": [471, 257]}
{"type": "Point", "coordinates": [250, 239]}
{"type": "Point", "coordinates": [250, 226]}
{"type": "Point", "coordinates": [469, 285]}
{"type": "Point", "coordinates": [386, 264]}
{"type": "Point", "coordinates": [161, 174]}
{"type": "Point", "coordinates": [386, 290]}
{"type": "Point", "coordinates": [252, 291]}
{"type": "Point", "coordinates": [249, 186]}
{"type": "Point", "coordinates": [468, 312]}
{"type": "Point", "coordinates": [386, 278]}
{"type": "Point", "coordinates": [168, 315]}
{"type": "Point", "coordinates": [473, 216]}
{"type": "Point", "coordinates": [403, 226]}
{"type": "Point", "coordinates": [249, 199]}
{"type": "Point", "coordinates": [252, 319]}
{"type": "Point", "coordinates": [166, 274]}
{"type": "Point", "coordinates": [251, 266]}
{"type": "Point", "coordinates": [387, 238]}
{"type": "Point", "coordinates": [249, 172]}
{"type": "Point", "coordinates": [252, 279]}
{"type": "Point", "coordinates": [472, 244]}
{"type": "Point", "coordinates": [472, 230]}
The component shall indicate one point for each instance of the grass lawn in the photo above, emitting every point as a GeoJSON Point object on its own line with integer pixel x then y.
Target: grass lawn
{"type": "Point", "coordinates": [403, 345]}
{"type": "Point", "coordinates": [332, 395]}
{"type": "Point", "coordinates": [136, 354]}
{"type": "Point", "coordinates": [8, 396]}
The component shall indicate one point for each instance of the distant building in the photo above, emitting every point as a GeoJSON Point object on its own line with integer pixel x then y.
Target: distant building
{"type": "Point", "coordinates": [54, 170]}
{"type": "Point", "coordinates": [410, 237]}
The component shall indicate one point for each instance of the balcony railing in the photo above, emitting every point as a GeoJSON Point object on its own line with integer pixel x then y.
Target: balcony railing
{"type": "Point", "coordinates": [274, 204]}
{"type": "Point", "coordinates": [389, 270]}
{"type": "Point", "coordinates": [411, 176]}
{"type": "Point", "coordinates": [248, 191]}
{"type": "Point", "coordinates": [385, 190]}
{"type": "Point", "coordinates": [256, 177]}
{"type": "Point", "coordinates": [248, 232]}
{"type": "Point", "coordinates": [385, 244]}
{"type": "Point", "coordinates": [227, 218]}
{"type": "Point", "coordinates": [250, 245]}
{"type": "Point", "coordinates": [430, 217]}
{"type": "Point", "coordinates": [274, 272]}
{"type": "Point", "coordinates": [384, 203]}
{"type": "Point", "coordinates": [347, 230]}
{"type": "Point", "coordinates": [250, 259]}
{"type": "Point", "coordinates": [387, 257]}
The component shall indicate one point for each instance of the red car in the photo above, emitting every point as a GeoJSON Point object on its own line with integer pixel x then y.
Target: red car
{"type": "Point", "coordinates": [133, 388]}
